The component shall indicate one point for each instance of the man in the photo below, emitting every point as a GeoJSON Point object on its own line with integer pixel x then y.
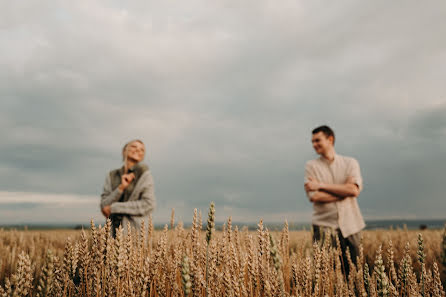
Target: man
{"type": "Point", "coordinates": [128, 195]}
{"type": "Point", "coordinates": [333, 183]}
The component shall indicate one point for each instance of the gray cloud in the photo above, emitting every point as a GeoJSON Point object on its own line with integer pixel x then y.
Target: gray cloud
{"type": "Point", "coordinates": [20, 206]}
{"type": "Point", "coordinates": [225, 96]}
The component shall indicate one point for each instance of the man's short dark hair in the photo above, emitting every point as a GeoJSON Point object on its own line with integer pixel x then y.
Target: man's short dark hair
{"type": "Point", "coordinates": [326, 130]}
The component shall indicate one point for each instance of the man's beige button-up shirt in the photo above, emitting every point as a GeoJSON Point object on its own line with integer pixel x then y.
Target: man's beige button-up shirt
{"type": "Point", "coordinates": [343, 214]}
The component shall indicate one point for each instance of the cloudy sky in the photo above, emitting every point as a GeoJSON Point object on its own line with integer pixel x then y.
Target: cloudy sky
{"type": "Point", "coordinates": [225, 95]}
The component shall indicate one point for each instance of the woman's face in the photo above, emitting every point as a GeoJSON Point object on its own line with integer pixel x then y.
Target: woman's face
{"type": "Point", "coordinates": [136, 151]}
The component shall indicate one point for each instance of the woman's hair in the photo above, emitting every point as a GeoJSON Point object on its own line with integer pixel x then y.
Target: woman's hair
{"type": "Point", "coordinates": [127, 144]}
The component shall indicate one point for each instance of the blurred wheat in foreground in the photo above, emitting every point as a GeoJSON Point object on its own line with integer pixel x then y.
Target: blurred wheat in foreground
{"type": "Point", "coordinates": [232, 262]}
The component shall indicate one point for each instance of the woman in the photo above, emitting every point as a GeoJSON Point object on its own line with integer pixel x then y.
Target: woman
{"type": "Point", "coordinates": [128, 195]}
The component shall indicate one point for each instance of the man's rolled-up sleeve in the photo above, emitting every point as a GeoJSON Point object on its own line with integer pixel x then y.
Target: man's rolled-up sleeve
{"type": "Point", "coordinates": [354, 172]}
{"type": "Point", "coordinates": [309, 172]}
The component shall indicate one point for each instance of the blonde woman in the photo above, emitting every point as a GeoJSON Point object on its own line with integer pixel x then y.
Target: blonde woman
{"type": "Point", "coordinates": [128, 195]}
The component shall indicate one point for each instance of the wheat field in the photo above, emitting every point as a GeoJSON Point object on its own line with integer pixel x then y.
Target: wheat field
{"type": "Point", "coordinates": [231, 262]}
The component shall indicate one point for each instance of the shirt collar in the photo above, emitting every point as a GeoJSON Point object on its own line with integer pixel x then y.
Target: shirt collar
{"type": "Point", "coordinates": [335, 157]}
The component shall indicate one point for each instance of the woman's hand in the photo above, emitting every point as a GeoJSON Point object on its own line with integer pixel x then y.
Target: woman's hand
{"type": "Point", "coordinates": [106, 211]}
{"type": "Point", "coordinates": [126, 179]}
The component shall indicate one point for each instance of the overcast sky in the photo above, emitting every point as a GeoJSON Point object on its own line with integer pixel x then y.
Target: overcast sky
{"type": "Point", "coordinates": [225, 95]}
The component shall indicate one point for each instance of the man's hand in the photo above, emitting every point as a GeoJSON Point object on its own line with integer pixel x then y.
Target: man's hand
{"type": "Point", "coordinates": [106, 211]}
{"type": "Point", "coordinates": [126, 179]}
{"type": "Point", "coordinates": [350, 180]}
{"type": "Point", "coordinates": [312, 185]}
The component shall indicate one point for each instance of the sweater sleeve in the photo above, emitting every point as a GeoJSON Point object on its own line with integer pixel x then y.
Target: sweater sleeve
{"type": "Point", "coordinates": [144, 205]}
{"type": "Point", "coordinates": [109, 195]}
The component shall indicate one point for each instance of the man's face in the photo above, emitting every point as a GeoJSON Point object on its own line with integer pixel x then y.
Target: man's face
{"type": "Point", "coordinates": [136, 151]}
{"type": "Point", "coordinates": [322, 143]}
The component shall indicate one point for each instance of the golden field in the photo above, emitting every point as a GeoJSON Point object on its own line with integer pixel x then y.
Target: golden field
{"type": "Point", "coordinates": [185, 262]}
